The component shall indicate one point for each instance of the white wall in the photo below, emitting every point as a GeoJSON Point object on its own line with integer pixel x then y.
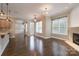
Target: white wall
{"type": "Point", "coordinates": [74, 22]}
{"type": "Point", "coordinates": [48, 27]}
{"type": "Point", "coordinates": [74, 27]}
{"type": "Point", "coordinates": [74, 17]}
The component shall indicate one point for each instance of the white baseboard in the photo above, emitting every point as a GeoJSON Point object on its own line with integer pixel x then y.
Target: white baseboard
{"type": "Point", "coordinates": [28, 34]}
{"type": "Point", "coordinates": [45, 37]}
{"type": "Point", "coordinates": [58, 38]}
{"type": "Point", "coordinates": [75, 46]}
{"type": "Point", "coordinates": [12, 37]}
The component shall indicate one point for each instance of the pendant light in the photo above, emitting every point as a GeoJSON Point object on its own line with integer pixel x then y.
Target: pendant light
{"type": "Point", "coordinates": [35, 19]}
{"type": "Point", "coordinates": [7, 17]}
{"type": "Point", "coordinates": [45, 12]}
{"type": "Point", "coordinates": [5, 24]}
{"type": "Point", "coordinates": [1, 11]}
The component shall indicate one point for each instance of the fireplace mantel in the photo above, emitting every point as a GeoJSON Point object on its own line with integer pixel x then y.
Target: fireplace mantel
{"type": "Point", "coordinates": [70, 41]}
{"type": "Point", "coordinates": [76, 38]}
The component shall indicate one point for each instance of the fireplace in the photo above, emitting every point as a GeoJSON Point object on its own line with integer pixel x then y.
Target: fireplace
{"type": "Point", "coordinates": [76, 38]}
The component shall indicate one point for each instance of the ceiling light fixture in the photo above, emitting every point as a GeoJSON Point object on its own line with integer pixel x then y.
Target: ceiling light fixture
{"type": "Point", "coordinates": [1, 11]}
{"type": "Point", "coordinates": [35, 18]}
{"type": "Point", "coordinates": [5, 24]}
{"type": "Point", "coordinates": [45, 12]}
{"type": "Point", "coordinates": [7, 18]}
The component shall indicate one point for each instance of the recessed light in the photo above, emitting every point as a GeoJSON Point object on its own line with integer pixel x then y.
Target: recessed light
{"type": "Point", "coordinates": [47, 6]}
{"type": "Point", "coordinates": [66, 7]}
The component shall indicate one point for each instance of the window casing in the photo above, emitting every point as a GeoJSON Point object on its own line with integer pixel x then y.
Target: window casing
{"type": "Point", "coordinates": [60, 26]}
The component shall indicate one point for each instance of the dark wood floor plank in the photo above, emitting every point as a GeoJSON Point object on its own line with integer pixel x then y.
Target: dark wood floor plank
{"type": "Point", "coordinates": [34, 46]}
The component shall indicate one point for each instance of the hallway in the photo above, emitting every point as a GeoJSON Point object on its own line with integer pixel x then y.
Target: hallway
{"type": "Point", "coordinates": [34, 46]}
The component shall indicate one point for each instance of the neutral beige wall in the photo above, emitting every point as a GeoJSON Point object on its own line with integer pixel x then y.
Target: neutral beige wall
{"type": "Point", "coordinates": [74, 17]}
{"type": "Point", "coordinates": [74, 23]}
{"type": "Point", "coordinates": [48, 26]}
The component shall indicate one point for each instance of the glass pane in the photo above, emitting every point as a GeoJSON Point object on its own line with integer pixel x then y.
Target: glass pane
{"type": "Point", "coordinates": [26, 27]}
{"type": "Point", "coordinates": [60, 26]}
{"type": "Point", "coordinates": [55, 26]}
{"type": "Point", "coordinates": [31, 28]}
{"type": "Point", "coordinates": [39, 27]}
{"type": "Point", "coordinates": [62, 30]}
{"type": "Point", "coordinates": [63, 25]}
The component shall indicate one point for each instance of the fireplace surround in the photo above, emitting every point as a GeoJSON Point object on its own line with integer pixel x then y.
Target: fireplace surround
{"type": "Point", "coordinates": [76, 38]}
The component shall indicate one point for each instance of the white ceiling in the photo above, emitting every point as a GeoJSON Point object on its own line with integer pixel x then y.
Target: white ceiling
{"type": "Point", "coordinates": [25, 10]}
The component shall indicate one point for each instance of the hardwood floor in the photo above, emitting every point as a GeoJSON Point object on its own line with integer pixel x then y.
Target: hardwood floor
{"type": "Point", "coordinates": [34, 46]}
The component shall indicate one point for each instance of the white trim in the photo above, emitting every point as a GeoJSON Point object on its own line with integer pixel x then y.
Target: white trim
{"type": "Point", "coordinates": [57, 38]}
{"type": "Point", "coordinates": [75, 46]}
{"type": "Point", "coordinates": [45, 37]}
{"type": "Point", "coordinates": [59, 20]}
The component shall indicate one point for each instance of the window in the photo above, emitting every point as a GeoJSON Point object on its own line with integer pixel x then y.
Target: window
{"type": "Point", "coordinates": [39, 27]}
{"type": "Point", "coordinates": [26, 27]}
{"type": "Point", "coordinates": [31, 28]}
{"type": "Point", "coordinates": [60, 26]}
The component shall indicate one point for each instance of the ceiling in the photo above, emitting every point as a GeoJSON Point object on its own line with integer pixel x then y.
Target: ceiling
{"type": "Point", "coordinates": [28, 10]}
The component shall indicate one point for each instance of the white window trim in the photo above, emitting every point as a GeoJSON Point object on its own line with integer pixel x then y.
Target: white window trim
{"type": "Point", "coordinates": [59, 28]}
